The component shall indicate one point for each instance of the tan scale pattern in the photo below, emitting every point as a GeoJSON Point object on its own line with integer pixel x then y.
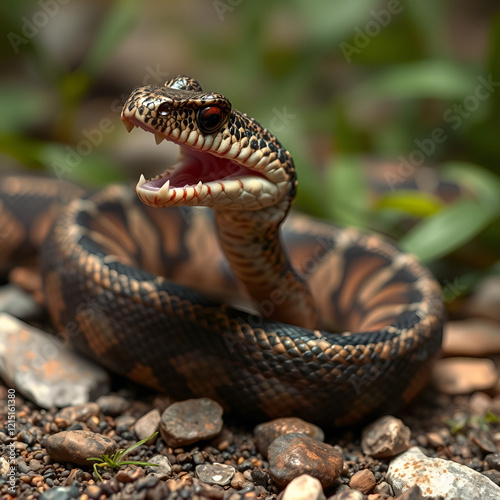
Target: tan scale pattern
{"type": "Point", "coordinates": [169, 337]}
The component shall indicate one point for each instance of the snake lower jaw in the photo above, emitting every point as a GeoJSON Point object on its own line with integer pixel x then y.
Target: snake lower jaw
{"type": "Point", "coordinates": [202, 179]}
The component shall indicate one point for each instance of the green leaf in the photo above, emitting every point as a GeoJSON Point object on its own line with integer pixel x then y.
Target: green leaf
{"type": "Point", "coordinates": [484, 185]}
{"type": "Point", "coordinates": [328, 22]}
{"type": "Point", "coordinates": [439, 235]}
{"type": "Point", "coordinates": [431, 78]}
{"type": "Point", "coordinates": [118, 23]}
{"type": "Point", "coordinates": [136, 445]}
{"type": "Point", "coordinates": [22, 106]}
{"type": "Point", "coordinates": [135, 462]}
{"type": "Point", "coordinates": [415, 203]}
{"type": "Point", "coordinates": [347, 193]}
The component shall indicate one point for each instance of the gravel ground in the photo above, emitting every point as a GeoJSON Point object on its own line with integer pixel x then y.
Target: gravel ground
{"type": "Point", "coordinates": [460, 428]}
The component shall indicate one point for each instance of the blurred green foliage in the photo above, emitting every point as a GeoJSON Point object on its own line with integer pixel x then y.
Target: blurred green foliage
{"type": "Point", "coordinates": [340, 81]}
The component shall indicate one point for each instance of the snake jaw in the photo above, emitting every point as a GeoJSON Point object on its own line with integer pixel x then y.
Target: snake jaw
{"type": "Point", "coordinates": [234, 163]}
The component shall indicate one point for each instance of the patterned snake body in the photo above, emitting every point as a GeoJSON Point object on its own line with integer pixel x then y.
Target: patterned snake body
{"type": "Point", "coordinates": [143, 291]}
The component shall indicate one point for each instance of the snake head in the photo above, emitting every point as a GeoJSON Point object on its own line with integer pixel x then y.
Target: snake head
{"type": "Point", "coordinates": [227, 159]}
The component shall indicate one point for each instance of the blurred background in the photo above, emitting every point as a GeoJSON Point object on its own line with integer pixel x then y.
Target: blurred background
{"type": "Point", "coordinates": [373, 99]}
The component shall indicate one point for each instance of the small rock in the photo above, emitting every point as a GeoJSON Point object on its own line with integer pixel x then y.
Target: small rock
{"type": "Point", "coordinates": [385, 437]}
{"type": "Point", "coordinates": [147, 425]}
{"type": "Point", "coordinates": [260, 478]}
{"type": "Point", "coordinates": [223, 439]}
{"type": "Point", "coordinates": [485, 301]}
{"type": "Point", "coordinates": [480, 403]}
{"type": "Point", "coordinates": [493, 460]}
{"type": "Point", "coordinates": [4, 467]}
{"type": "Point", "coordinates": [77, 446]}
{"type": "Point", "coordinates": [414, 493]}
{"type": "Point", "coordinates": [44, 369]}
{"type": "Point", "coordinates": [238, 481]}
{"type": "Point", "coordinates": [93, 491]}
{"type": "Point", "coordinates": [267, 432]}
{"type": "Point", "coordinates": [304, 487]}
{"type": "Point", "coordinates": [112, 405]}
{"type": "Point", "coordinates": [130, 474]}
{"type": "Point", "coordinates": [435, 440]}
{"type": "Point", "coordinates": [293, 455]}
{"type": "Point", "coordinates": [464, 375]}
{"type": "Point", "coordinates": [189, 421]}
{"type": "Point", "coordinates": [436, 476]}
{"type": "Point", "coordinates": [483, 440]}
{"type": "Point", "coordinates": [383, 488]}
{"type": "Point", "coordinates": [363, 480]}
{"type": "Point", "coordinates": [348, 494]}
{"type": "Point", "coordinates": [471, 337]}
{"type": "Point", "coordinates": [164, 468]}
{"type": "Point", "coordinates": [77, 413]}
{"type": "Point", "coordinates": [148, 482]}
{"type": "Point", "coordinates": [62, 493]}
{"type": "Point", "coordinates": [18, 303]}
{"type": "Point", "coordinates": [220, 474]}
{"type": "Point", "coordinates": [35, 465]}
{"type": "Point", "coordinates": [124, 423]}
{"type": "Point", "coordinates": [493, 475]}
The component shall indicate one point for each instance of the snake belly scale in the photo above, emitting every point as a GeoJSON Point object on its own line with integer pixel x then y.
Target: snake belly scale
{"type": "Point", "coordinates": [341, 325]}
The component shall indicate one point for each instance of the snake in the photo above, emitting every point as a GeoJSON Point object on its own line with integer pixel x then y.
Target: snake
{"type": "Point", "coordinates": [202, 284]}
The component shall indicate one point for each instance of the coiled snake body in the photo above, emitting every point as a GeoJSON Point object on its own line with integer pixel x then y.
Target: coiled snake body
{"type": "Point", "coordinates": [143, 291]}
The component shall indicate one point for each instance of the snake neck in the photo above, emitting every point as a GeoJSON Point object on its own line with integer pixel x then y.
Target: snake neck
{"type": "Point", "coordinates": [255, 251]}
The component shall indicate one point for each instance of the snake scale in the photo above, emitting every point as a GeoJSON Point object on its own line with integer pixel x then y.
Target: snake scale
{"type": "Point", "coordinates": [306, 319]}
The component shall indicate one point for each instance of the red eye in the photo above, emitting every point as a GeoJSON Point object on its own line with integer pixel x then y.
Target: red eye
{"type": "Point", "coordinates": [210, 119]}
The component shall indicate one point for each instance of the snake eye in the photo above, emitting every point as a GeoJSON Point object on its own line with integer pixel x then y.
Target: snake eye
{"type": "Point", "coordinates": [164, 109]}
{"type": "Point", "coordinates": [210, 119]}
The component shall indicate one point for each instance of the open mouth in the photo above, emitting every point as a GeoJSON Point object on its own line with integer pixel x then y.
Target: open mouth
{"type": "Point", "coordinates": [200, 178]}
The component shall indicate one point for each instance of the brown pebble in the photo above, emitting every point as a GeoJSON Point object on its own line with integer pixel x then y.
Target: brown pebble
{"type": "Point", "coordinates": [147, 425]}
{"type": "Point", "coordinates": [189, 421]}
{"type": "Point", "coordinates": [464, 375]}
{"type": "Point", "coordinates": [485, 301]}
{"type": "Point", "coordinates": [223, 439]}
{"type": "Point", "coordinates": [471, 337]}
{"type": "Point", "coordinates": [292, 455]}
{"type": "Point", "coordinates": [267, 432]}
{"type": "Point", "coordinates": [480, 403]}
{"type": "Point", "coordinates": [36, 479]}
{"type": "Point", "coordinates": [78, 413]}
{"type": "Point", "coordinates": [112, 405]}
{"type": "Point", "coordinates": [304, 487]}
{"type": "Point", "coordinates": [238, 481]}
{"type": "Point", "coordinates": [35, 465]}
{"type": "Point", "coordinates": [363, 480]}
{"type": "Point", "coordinates": [77, 446]}
{"type": "Point", "coordinates": [385, 437]}
{"type": "Point", "coordinates": [483, 440]}
{"type": "Point", "coordinates": [93, 491]}
{"type": "Point", "coordinates": [383, 488]}
{"type": "Point", "coordinates": [435, 440]}
{"type": "Point", "coordinates": [130, 474]}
